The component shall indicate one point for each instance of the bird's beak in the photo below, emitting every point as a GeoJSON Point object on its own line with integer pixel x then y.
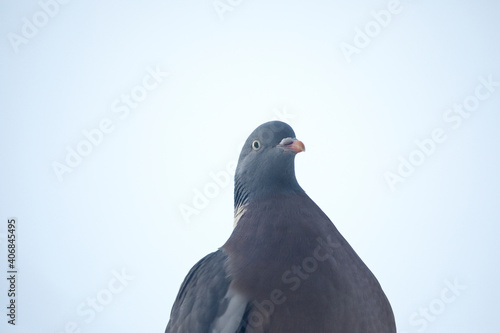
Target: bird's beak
{"type": "Point", "coordinates": [292, 145]}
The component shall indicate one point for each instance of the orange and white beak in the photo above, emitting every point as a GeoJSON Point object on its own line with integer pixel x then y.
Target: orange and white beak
{"type": "Point", "coordinates": [292, 145]}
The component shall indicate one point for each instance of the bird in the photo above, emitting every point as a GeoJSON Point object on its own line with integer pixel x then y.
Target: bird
{"type": "Point", "coordinates": [285, 267]}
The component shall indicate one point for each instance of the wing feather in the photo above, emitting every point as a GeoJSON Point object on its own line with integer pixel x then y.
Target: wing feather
{"type": "Point", "coordinates": [205, 303]}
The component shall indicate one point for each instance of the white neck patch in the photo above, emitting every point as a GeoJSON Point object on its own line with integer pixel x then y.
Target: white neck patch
{"type": "Point", "coordinates": [238, 213]}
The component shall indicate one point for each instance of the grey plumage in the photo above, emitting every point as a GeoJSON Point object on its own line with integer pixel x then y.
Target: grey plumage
{"type": "Point", "coordinates": [285, 267]}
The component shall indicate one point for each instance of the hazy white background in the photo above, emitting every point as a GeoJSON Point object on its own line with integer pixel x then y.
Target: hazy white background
{"type": "Point", "coordinates": [119, 209]}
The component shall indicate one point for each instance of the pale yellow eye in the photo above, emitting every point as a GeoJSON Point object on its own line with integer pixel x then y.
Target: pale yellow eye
{"type": "Point", "coordinates": [256, 145]}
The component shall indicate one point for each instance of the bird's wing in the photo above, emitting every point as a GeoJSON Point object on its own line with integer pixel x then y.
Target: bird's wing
{"type": "Point", "coordinates": [205, 303]}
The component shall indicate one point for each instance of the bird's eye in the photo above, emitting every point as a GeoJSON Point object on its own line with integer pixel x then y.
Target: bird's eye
{"type": "Point", "coordinates": [256, 145]}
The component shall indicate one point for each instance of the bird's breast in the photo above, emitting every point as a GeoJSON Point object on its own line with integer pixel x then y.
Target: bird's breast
{"type": "Point", "coordinates": [287, 256]}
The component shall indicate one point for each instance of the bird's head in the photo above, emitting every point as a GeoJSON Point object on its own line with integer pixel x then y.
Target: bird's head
{"type": "Point", "coordinates": [266, 163]}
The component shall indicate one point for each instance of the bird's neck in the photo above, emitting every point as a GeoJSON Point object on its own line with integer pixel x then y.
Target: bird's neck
{"type": "Point", "coordinates": [246, 192]}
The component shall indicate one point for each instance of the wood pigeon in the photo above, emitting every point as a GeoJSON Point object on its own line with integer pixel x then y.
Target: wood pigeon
{"type": "Point", "coordinates": [285, 267]}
